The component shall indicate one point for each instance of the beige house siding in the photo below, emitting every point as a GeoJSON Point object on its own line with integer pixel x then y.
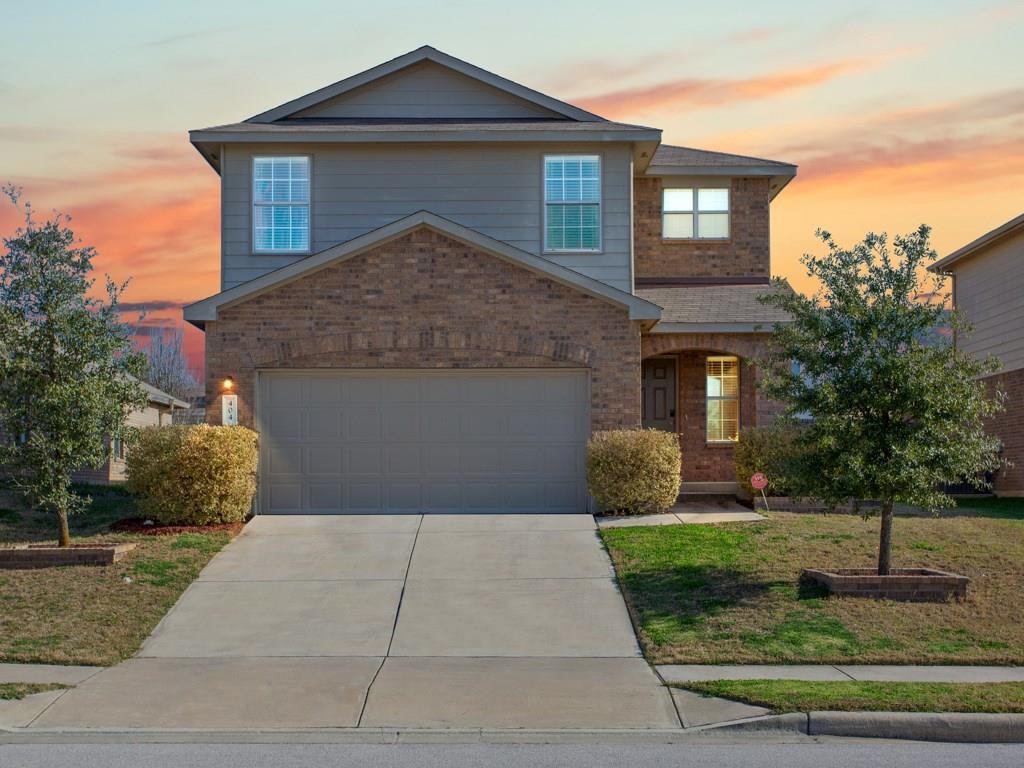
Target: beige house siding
{"type": "Point", "coordinates": [113, 470]}
{"type": "Point", "coordinates": [989, 290]}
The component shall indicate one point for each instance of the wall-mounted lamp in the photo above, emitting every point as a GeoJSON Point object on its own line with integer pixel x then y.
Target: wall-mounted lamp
{"type": "Point", "coordinates": [228, 384]}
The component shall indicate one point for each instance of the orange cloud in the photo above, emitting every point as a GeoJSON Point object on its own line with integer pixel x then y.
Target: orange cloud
{"type": "Point", "coordinates": [154, 218]}
{"type": "Point", "coordinates": [713, 92]}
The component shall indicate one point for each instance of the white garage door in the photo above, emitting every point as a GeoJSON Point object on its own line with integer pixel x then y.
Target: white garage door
{"type": "Point", "coordinates": [352, 441]}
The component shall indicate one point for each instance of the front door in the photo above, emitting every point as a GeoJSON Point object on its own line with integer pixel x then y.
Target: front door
{"type": "Point", "coordinates": [658, 406]}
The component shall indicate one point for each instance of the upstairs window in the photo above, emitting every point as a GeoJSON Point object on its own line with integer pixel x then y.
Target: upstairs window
{"type": "Point", "coordinates": [572, 203]}
{"type": "Point", "coordinates": [280, 198]}
{"type": "Point", "coordinates": [695, 214]}
{"type": "Point", "coordinates": [723, 399]}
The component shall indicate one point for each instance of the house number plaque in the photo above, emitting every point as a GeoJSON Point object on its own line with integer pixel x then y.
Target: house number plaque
{"type": "Point", "coordinates": [229, 410]}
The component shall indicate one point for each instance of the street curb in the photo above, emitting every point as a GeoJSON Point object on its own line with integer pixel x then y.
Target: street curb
{"type": "Point", "coordinates": [981, 728]}
{"type": "Point", "coordinates": [355, 736]}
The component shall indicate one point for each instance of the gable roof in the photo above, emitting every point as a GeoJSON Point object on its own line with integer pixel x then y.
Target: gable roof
{"type": "Point", "coordinates": [421, 54]}
{"type": "Point", "coordinates": [670, 160]}
{"type": "Point", "coordinates": [1008, 229]}
{"type": "Point", "coordinates": [202, 311]}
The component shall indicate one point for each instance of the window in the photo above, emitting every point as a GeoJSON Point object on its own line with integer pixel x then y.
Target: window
{"type": "Point", "coordinates": [701, 214]}
{"type": "Point", "coordinates": [572, 203]}
{"type": "Point", "coordinates": [723, 399]}
{"type": "Point", "coordinates": [280, 200]}
{"type": "Point", "coordinates": [117, 449]}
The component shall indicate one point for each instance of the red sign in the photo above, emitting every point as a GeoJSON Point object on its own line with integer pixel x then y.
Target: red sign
{"type": "Point", "coordinates": [759, 481]}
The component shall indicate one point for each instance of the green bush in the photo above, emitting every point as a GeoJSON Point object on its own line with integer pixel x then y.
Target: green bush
{"type": "Point", "coordinates": [771, 449]}
{"type": "Point", "coordinates": [193, 475]}
{"type": "Point", "coordinates": [634, 471]}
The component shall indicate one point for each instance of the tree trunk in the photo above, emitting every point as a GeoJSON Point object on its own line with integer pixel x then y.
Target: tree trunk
{"type": "Point", "coordinates": [885, 540]}
{"type": "Point", "coordinates": [65, 534]}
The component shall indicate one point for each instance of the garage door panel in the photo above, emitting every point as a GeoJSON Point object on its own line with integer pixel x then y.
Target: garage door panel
{"type": "Point", "coordinates": [323, 460]}
{"type": "Point", "coordinates": [442, 459]}
{"type": "Point", "coordinates": [364, 423]}
{"type": "Point", "coordinates": [363, 497]}
{"type": "Point", "coordinates": [363, 460]}
{"type": "Point", "coordinates": [325, 497]}
{"type": "Point", "coordinates": [324, 424]}
{"type": "Point", "coordinates": [403, 497]}
{"type": "Point", "coordinates": [402, 459]}
{"type": "Point", "coordinates": [401, 422]}
{"type": "Point", "coordinates": [285, 424]}
{"type": "Point", "coordinates": [285, 496]}
{"type": "Point", "coordinates": [373, 441]}
{"type": "Point", "coordinates": [325, 391]}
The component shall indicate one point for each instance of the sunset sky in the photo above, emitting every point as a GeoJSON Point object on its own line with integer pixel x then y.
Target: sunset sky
{"type": "Point", "coordinates": [897, 113]}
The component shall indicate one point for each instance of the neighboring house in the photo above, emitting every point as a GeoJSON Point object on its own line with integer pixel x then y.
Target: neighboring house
{"type": "Point", "coordinates": [988, 289]}
{"type": "Point", "coordinates": [158, 412]}
{"type": "Point", "coordinates": [436, 283]}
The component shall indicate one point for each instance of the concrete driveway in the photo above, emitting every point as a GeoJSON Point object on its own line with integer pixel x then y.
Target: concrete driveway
{"type": "Point", "coordinates": [435, 621]}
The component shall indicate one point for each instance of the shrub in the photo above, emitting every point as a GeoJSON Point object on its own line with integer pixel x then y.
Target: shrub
{"type": "Point", "coordinates": [193, 475]}
{"type": "Point", "coordinates": [634, 470]}
{"type": "Point", "coordinates": [771, 449]}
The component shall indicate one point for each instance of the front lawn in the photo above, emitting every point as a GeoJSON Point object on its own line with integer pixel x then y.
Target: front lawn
{"type": "Point", "coordinates": [855, 695]}
{"type": "Point", "coordinates": [704, 594]}
{"type": "Point", "coordinates": [88, 614]}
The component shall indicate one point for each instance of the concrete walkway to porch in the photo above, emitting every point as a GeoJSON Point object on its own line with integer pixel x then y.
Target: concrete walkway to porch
{"type": "Point", "coordinates": [436, 621]}
{"type": "Point", "coordinates": [689, 512]}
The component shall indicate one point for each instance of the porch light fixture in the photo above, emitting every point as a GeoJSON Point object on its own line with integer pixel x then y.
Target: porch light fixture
{"type": "Point", "coordinates": [228, 384]}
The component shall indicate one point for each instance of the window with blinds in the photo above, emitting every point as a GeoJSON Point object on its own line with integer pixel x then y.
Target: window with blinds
{"type": "Point", "coordinates": [572, 203]}
{"type": "Point", "coordinates": [723, 399]}
{"type": "Point", "coordinates": [695, 214]}
{"type": "Point", "coordinates": [280, 199]}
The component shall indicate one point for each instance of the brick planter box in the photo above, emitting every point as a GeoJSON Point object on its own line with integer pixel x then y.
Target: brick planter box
{"type": "Point", "coordinates": [49, 556]}
{"type": "Point", "coordinates": [919, 585]}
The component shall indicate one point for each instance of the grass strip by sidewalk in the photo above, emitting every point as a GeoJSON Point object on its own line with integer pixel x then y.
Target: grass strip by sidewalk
{"type": "Point", "coordinates": [21, 690]}
{"type": "Point", "coordinates": [856, 695]}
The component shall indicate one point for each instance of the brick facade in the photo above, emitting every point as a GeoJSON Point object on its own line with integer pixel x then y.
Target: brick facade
{"type": "Point", "coordinates": [426, 300]}
{"type": "Point", "coordinates": [1009, 427]}
{"type": "Point", "coordinates": [744, 254]}
{"type": "Point", "coordinates": [703, 461]}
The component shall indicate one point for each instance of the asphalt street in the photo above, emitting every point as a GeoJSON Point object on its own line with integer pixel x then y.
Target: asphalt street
{"type": "Point", "coordinates": [752, 752]}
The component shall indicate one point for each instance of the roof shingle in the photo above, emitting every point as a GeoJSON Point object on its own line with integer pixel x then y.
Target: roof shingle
{"type": "Point", "coordinates": [714, 304]}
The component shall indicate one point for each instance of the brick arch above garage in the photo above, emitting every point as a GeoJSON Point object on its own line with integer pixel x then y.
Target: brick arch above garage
{"type": "Point", "coordinates": [427, 300]}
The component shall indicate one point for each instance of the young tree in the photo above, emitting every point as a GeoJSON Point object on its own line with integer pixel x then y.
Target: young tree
{"type": "Point", "coordinates": [166, 366]}
{"type": "Point", "coordinates": [68, 373]}
{"type": "Point", "coordinates": [897, 410]}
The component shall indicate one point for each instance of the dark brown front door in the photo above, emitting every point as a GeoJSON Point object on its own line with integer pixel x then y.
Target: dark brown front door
{"type": "Point", "coordinates": [658, 406]}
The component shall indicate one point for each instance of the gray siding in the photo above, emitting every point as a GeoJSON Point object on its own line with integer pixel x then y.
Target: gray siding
{"type": "Point", "coordinates": [426, 90]}
{"type": "Point", "coordinates": [990, 293]}
{"type": "Point", "coordinates": [494, 189]}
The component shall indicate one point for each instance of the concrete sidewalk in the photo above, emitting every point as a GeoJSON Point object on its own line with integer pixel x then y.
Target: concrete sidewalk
{"type": "Point", "coordinates": [682, 673]}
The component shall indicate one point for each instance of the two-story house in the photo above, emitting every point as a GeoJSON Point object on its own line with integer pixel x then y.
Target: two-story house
{"type": "Point", "coordinates": [436, 283]}
{"type": "Point", "coordinates": [988, 289]}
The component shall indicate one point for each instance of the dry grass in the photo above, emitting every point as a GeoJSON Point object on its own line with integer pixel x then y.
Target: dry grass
{"type": "Point", "coordinates": [21, 690]}
{"type": "Point", "coordinates": [851, 696]}
{"type": "Point", "coordinates": [89, 614]}
{"type": "Point", "coordinates": [730, 594]}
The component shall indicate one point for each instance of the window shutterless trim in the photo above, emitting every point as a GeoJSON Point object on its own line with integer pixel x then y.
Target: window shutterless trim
{"type": "Point", "coordinates": [252, 205]}
{"type": "Point", "coordinates": [695, 212]}
{"type": "Point", "coordinates": [544, 203]}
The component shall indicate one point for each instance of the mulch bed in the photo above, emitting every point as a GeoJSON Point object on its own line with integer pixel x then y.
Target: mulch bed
{"type": "Point", "coordinates": [138, 525]}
